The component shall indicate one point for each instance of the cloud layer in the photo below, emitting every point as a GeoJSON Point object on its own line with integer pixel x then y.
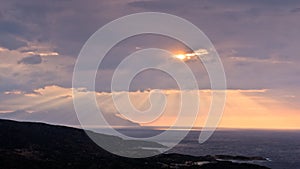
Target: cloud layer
{"type": "Point", "coordinates": [243, 108]}
{"type": "Point", "coordinates": [258, 42]}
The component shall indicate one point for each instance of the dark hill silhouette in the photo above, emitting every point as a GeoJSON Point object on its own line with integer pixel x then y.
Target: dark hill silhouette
{"type": "Point", "coordinates": [26, 145]}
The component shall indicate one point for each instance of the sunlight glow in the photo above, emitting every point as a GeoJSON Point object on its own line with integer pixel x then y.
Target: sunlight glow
{"type": "Point", "coordinates": [180, 56]}
{"type": "Point", "coordinates": [190, 56]}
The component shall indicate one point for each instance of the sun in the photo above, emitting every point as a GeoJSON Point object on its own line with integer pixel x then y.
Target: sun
{"type": "Point", "coordinates": [180, 56]}
{"type": "Point", "coordinates": [190, 56]}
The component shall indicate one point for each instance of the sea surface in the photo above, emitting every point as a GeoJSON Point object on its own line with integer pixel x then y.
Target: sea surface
{"type": "Point", "coordinates": [281, 147]}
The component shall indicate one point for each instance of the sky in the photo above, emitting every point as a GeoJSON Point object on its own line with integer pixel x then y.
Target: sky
{"type": "Point", "coordinates": [258, 43]}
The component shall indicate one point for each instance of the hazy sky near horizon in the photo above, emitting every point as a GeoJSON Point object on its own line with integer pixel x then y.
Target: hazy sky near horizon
{"type": "Point", "coordinates": [258, 43]}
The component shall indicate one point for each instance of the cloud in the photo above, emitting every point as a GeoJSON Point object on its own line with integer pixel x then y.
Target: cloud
{"type": "Point", "coordinates": [14, 92]}
{"type": "Point", "coordinates": [194, 56]}
{"type": "Point", "coordinates": [10, 42]}
{"type": "Point", "coordinates": [51, 104]}
{"type": "Point", "coordinates": [244, 108]}
{"type": "Point", "coordinates": [156, 5]}
{"type": "Point", "coordinates": [46, 71]}
{"type": "Point", "coordinates": [254, 29]}
{"type": "Point", "coordinates": [40, 49]}
{"type": "Point", "coordinates": [256, 60]}
{"type": "Point", "coordinates": [11, 27]}
{"type": "Point", "coordinates": [295, 10]}
{"type": "Point", "coordinates": [31, 60]}
{"type": "Point", "coordinates": [258, 42]}
{"type": "Point", "coordinates": [53, 22]}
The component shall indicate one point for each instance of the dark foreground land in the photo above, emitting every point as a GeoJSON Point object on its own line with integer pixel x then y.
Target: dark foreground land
{"type": "Point", "coordinates": [25, 145]}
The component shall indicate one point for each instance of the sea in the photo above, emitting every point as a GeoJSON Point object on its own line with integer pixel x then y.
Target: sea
{"type": "Point", "coordinates": [280, 147]}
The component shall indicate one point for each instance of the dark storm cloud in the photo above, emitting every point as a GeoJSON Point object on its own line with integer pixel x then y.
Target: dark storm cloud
{"type": "Point", "coordinates": [260, 29]}
{"type": "Point", "coordinates": [295, 10]}
{"type": "Point", "coordinates": [31, 60]}
{"type": "Point", "coordinates": [12, 27]}
{"type": "Point", "coordinates": [9, 31]}
{"type": "Point", "coordinates": [67, 24]}
{"type": "Point", "coordinates": [1, 14]}
{"type": "Point", "coordinates": [207, 4]}
{"type": "Point", "coordinates": [251, 28]}
{"type": "Point", "coordinates": [155, 5]}
{"type": "Point", "coordinates": [10, 41]}
{"type": "Point", "coordinates": [33, 20]}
